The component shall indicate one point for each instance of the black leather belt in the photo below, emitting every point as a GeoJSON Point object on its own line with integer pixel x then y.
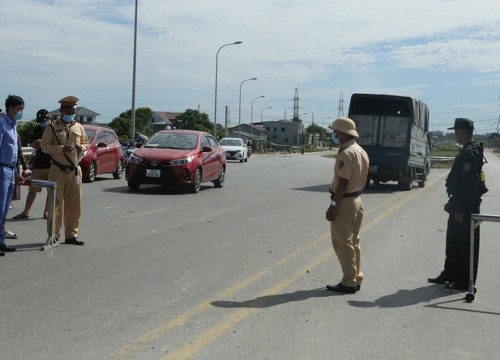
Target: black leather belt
{"type": "Point", "coordinates": [66, 169]}
{"type": "Point", "coordinates": [12, 167]}
{"type": "Point", "coordinates": [353, 194]}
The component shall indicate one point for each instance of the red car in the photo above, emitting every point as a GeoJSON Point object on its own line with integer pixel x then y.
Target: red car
{"type": "Point", "coordinates": [104, 156]}
{"type": "Point", "coordinates": [177, 157]}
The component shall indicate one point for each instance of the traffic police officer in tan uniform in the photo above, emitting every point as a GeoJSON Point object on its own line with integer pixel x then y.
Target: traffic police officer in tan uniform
{"type": "Point", "coordinates": [346, 209]}
{"type": "Point", "coordinates": [62, 140]}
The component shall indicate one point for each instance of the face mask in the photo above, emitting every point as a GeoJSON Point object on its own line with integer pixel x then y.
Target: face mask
{"type": "Point", "coordinates": [69, 118]}
{"type": "Point", "coordinates": [44, 124]}
{"type": "Point", "coordinates": [18, 116]}
{"type": "Point", "coordinates": [335, 139]}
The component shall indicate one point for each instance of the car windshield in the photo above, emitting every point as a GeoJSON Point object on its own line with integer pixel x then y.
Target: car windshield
{"type": "Point", "coordinates": [230, 142]}
{"type": "Point", "coordinates": [90, 134]}
{"type": "Point", "coordinates": [173, 141]}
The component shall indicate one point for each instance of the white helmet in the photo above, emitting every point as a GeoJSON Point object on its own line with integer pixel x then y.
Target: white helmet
{"type": "Point", "coordinates": [346, 126]}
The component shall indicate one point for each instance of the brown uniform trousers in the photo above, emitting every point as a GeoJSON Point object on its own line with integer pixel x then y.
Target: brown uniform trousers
{"type": "Point", "coordinates": [345, 239]}
{"type": "Point", "coordinates": [68, 196]}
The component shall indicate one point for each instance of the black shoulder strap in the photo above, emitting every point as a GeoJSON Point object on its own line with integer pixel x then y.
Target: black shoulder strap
{"type": "Point", "coordinates": [54, 132]}
{"type": "Point", "coordinates": [481, 152]}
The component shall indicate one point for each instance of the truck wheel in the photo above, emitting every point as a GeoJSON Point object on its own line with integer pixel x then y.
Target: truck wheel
{"type": "Point", "coordinates": [404, 185]}
{"type": "Point", "coordinates": [422, 182]}
{"type": "Point", "coordinates": [367, 184]}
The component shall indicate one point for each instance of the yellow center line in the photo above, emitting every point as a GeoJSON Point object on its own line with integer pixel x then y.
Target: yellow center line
{"type": "Point", "coordinates": [236, 316]}
{"type": "Point", "coordinates": [145, 340]}
{"type": "Point", "coordinates": [190, 348]}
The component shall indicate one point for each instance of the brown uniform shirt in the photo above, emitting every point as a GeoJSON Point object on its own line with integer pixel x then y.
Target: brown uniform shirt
{"type": "Point", "coordinates": [68, 134]}
{"type": "Point", "coordinates": [351, 164]}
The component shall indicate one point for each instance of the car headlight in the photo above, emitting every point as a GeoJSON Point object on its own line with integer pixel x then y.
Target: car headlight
{"type": "Point", "coordinates": [134, 159]}
{"type": "Point", "coordinates": [181, 161]}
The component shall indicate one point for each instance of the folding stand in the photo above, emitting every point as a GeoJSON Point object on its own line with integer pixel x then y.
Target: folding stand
{"type": "Point", "coordinates": [51, 242]}
{"type": "Point", "coordinates": [475, 220]}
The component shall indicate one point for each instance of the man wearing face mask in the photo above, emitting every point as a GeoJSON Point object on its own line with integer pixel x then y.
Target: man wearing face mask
{"type": "Point", "coordinates": [14, 106]}
{"type": "Point", "coordinates": [41, 166]}
{"type": "Point", "coordinates": [65, 140]}
{"type": "Point", "coordinates": [345, 212]}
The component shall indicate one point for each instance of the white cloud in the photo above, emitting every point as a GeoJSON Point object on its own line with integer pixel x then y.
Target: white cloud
{"type": "Point", "coordinates": [84, 47]}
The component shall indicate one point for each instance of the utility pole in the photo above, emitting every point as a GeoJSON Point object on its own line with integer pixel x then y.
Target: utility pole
{"type": "Point", "coordinates": [341, 105]}
{"type": "Point", "coordinates": [296, 106]}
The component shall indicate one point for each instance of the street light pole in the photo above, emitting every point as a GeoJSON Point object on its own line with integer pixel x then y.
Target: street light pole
{"type": "Point", "coordinates": [239, 108]}
{"type": "Point", "coordinates": [132, 119]}
{"type": "Point", "coordinates": [216, 70]}
{"type": "Point", "coordinates": [251, 116]}
{"type": "Point", "coordinates": [262, 112]}
{"type": "Point", "coordinates": [298, 129]}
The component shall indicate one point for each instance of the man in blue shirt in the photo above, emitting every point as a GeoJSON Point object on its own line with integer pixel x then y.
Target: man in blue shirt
{"type": "Point", "coordinates": [14, 106]}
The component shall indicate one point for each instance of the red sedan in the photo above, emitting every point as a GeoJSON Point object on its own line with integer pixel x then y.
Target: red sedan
{"type": "Point", "coordinates": [177, 158]}
{"type": "Point", "coordinates": [104, 156]}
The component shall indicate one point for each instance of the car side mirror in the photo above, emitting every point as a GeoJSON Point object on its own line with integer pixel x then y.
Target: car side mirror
{"type": "Point", "coordinates": [102, 144]}
{"type": "Point", "coordinates": [207, 148]}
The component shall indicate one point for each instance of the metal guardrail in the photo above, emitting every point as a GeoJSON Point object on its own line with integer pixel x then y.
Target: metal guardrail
{"type": "Point", "coordinates": [475, 220]}
{"type": "Point", "coordinates": [442, 158]}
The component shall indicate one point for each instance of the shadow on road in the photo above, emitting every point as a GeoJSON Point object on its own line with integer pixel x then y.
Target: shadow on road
{"type": "Point", "coordinates": [440, 306]}
{"type": "Point", "coordinates": [155, 190]}
{"type": "Point", "coordinates": [372, 189]}
{"type": "Point", "coordinates": [278, 299]}
{"type": "Point", "coordinates": [405, 297]}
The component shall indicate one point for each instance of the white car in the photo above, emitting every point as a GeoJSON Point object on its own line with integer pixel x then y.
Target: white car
{"type": "Point", "coordinates": [236, 149]}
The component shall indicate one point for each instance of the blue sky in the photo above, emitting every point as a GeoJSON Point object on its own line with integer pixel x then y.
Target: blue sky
{"type": "Point", "coordinates": [444, 52]}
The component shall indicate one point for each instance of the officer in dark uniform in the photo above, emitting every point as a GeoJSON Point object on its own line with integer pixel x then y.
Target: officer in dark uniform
{"type": "Point", "coordinates": [465, 188]}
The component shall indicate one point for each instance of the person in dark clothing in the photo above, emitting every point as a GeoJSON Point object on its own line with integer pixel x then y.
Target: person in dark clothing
{"type": "Point", "coordinates": [465, 188]}
{"type": "Point", "coordinates": [40, 170]}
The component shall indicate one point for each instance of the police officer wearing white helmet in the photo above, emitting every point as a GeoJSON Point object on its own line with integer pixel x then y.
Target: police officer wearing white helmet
{"type": "Point", "coordinates": [345, 212]}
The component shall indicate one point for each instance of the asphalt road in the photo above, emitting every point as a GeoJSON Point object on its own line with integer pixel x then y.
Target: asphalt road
{"type": "Point", "coordinates": [239, 273]}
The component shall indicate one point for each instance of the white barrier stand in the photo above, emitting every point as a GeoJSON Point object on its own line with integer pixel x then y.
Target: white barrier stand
{"type": "Point", "coordinates": [475, 220]}
{"type": "Point", "coordinates": [51, 242]}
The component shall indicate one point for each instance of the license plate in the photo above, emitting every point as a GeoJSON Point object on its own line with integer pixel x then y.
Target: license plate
{"type": "Point", "coordinates": [153, 173]}
{"type": "Point", "coordinates": [372, 169]}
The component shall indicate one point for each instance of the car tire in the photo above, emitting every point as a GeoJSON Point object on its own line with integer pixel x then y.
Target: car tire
{"type": "Point", "coordinates": [90, 177]}
{"type": "Point", "coordinates": [220, 181]}
{"type": "Point", "coordinates": [119, 171]}
{"type": "Point", "coordinates": [133, 186]}
{"type": "Point", "coordinates": [246, 158]}
{"type": "Point", "coordinates": [195, 188]}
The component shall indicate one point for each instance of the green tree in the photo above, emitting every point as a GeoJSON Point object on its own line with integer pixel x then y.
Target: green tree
{"type": "Point", "coordinates": [121, 124]}
{"type": "Point", "coordinates": [316, 129]}
{"type": "Point", "coordinates": [193, 120]}
{"type": "Point", "coordinates": [25, 129]}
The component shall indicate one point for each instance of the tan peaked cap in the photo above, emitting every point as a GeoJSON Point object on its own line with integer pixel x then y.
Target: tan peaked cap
{"type": "Point", "coordinates": [68, 101]}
